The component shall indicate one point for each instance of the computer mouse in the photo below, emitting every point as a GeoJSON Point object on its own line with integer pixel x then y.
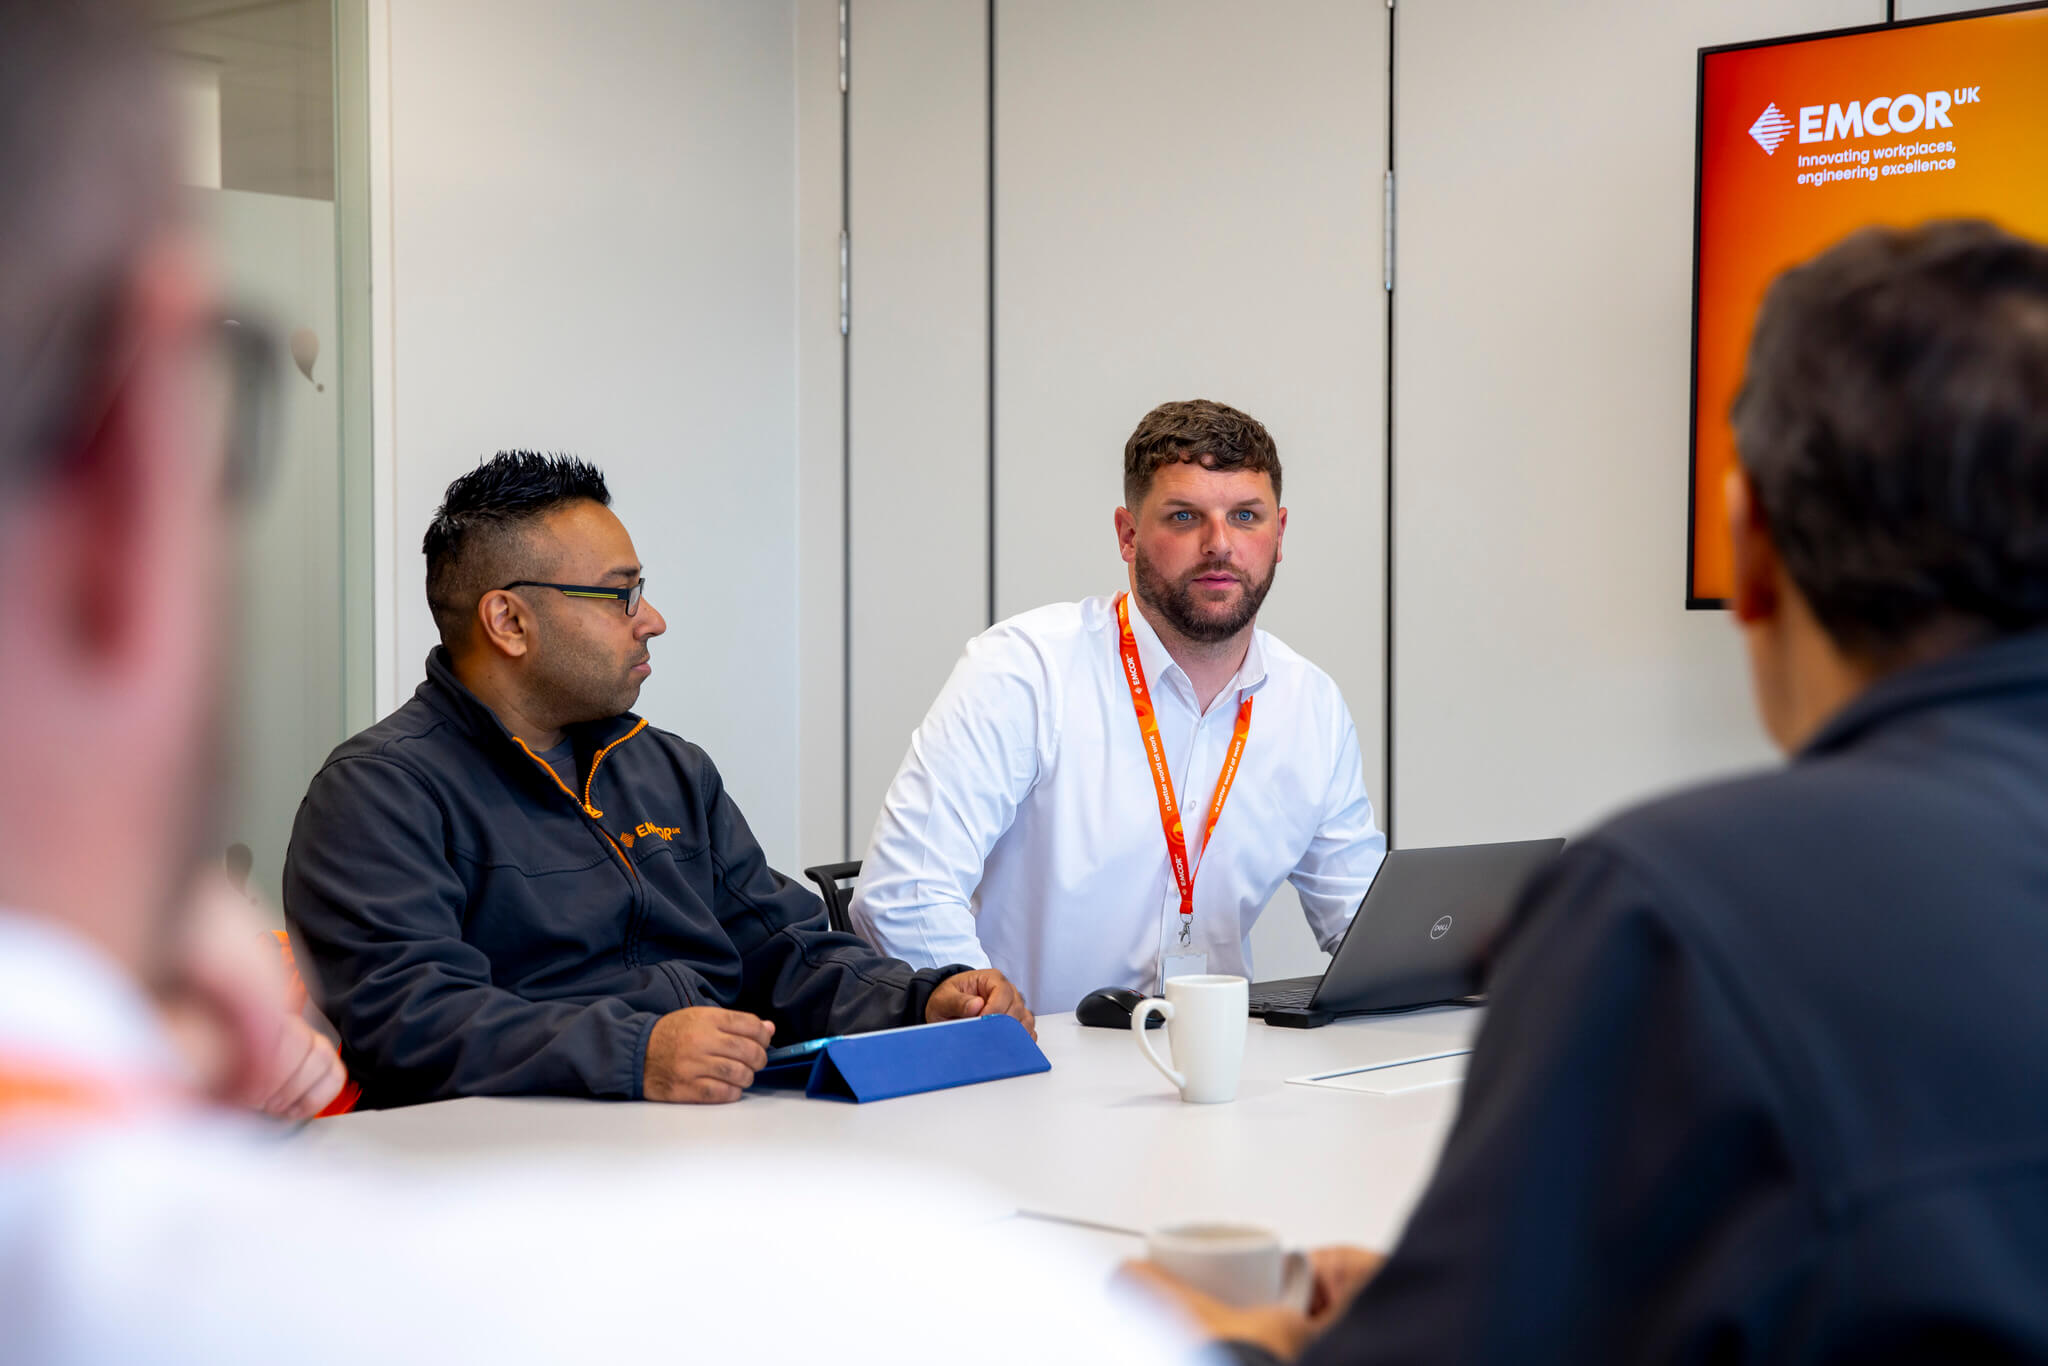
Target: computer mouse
{"type": "Point", "coordinates": [1111, 1007]}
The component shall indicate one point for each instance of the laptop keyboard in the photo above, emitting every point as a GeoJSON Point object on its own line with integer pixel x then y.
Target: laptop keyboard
{"type": "Point", "coordinates": [1289, 993]}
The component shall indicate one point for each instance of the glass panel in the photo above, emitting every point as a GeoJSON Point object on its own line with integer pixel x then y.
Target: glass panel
{"type": "Point", "coordinates": [257, 82]}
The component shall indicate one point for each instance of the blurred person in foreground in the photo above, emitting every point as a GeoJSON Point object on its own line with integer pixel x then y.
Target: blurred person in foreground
{"type": "Point", "coordinates": [1762, 1075]}
{"type": "Point", "coordinates": [137, 1221]}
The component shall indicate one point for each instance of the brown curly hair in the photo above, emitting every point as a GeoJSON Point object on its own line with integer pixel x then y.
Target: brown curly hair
{"type": "Point", "coordinates": [1197, 431]}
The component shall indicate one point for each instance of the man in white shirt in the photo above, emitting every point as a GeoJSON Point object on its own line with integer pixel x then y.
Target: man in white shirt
{"type": "Point", "coordinates": [1050, 817]}
{"type": "Point", "coordinates": [138, 1221]}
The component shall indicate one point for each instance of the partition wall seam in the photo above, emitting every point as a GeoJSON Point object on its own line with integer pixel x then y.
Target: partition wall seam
{"type": "Point", "coordinates": [391, 339]}
{"type": "Point", "coordinates": [845, 432]}
{"type": "Point", "coordinates": [1387, 446]}
{"type": "Point", "coordinates": [991, 309]}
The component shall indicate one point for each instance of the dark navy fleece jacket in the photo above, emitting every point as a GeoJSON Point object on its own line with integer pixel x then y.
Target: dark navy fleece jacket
{"type": "Point", "coordinates": [475, 927]}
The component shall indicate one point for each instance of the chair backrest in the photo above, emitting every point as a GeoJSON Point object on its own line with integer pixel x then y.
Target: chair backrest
{"type": "Point", "coordinates": [835, 884]}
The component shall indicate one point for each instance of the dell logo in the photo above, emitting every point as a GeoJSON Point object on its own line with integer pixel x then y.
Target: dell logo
{"type": "Point", "coordinates": [1440, 929]}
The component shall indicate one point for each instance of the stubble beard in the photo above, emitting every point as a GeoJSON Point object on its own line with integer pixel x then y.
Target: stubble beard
{"type": "Point", "coordinates": [1177, 606]}
{"type": "Point", "coordinates": [582, 692]}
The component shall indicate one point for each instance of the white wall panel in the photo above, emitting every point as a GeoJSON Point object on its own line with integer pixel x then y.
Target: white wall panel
{"type": "Point", "coordinates": [1188, 205]}
{"type": "Point", "coordinates": [821, 487]}
{"type": "Point", "coordinates": [917, 116]}
{"type": "Point", "coordinates": [592, 235]}
{"type": "Point", "coordinates": [1924, 9]}
{"type": "Point", "coordinates": [1545, 667]}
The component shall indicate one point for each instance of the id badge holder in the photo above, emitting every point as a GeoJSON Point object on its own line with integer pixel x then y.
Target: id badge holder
{"type": "Point", "coordinates": [1178, 955]}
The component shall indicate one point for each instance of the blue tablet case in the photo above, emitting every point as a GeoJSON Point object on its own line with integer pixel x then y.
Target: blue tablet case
{"type": "Point", "coordinates": [904, 1062]}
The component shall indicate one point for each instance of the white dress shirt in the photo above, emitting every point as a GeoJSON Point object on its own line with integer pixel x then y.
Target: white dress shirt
{"type": "Point", "coordinates": [169, 1233]}
{"type": "Point", "coordinates": [1022, 830]}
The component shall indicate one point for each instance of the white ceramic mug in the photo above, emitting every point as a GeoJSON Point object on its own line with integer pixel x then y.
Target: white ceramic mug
{"type": "Point", "coordinates": [1240, 1264]}
{"type": "Point", "coordinates": [1206, 1019]}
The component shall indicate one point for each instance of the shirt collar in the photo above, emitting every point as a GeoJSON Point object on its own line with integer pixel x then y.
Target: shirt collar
{"type": "Point", "coordinates": [65, 1004]}
{"type": "Point", "coordinates": [2011, 664]}
{"type": "Point", "coordinates": [1252, 673]}
{"type": "Point", "coordinates": [1152, 653]}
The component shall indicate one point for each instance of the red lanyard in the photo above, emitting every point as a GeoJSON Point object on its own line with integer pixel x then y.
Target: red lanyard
{"type": "Point", "coordinates": [1162, 780]}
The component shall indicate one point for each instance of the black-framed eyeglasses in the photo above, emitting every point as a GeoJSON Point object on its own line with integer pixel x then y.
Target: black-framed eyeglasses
{"type": "Point", "coordinates": [630, 595]}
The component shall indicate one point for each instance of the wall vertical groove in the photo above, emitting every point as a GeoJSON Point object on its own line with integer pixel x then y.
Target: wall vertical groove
{"type": "Point", "coordinates": [1387, 449]}
{"type": "Point", "coordinates": [991, 24]}
{"type": "Point", "coordinates": [846, 458]}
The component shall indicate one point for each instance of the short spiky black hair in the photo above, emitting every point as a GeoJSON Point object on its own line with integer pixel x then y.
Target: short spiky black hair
{"type": "Point", "coordinates": [474, 544]}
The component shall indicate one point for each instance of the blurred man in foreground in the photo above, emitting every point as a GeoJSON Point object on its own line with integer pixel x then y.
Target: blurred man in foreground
{"type": "Point", "coordinates": [1761, 1080]}
{"type": "Point", "coordinates": [137, 1223]}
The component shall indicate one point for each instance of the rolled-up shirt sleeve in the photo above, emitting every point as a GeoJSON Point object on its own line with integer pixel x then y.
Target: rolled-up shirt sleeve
{"type": "Point", "coordinates": [1345, 853]}
{"type": "Point", "coordinates": [972, 760]}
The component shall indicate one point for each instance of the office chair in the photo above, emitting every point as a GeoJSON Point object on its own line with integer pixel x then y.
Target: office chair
{"type": "Point", "coordinates": [835, 883]}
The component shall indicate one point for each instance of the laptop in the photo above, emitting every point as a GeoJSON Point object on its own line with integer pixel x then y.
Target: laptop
{"type": "Point", "coordinates": [1420, 936]}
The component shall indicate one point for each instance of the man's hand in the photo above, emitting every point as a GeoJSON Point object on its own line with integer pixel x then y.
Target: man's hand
{"type": "Point", "coordinates": [225, 1004]}
{"type": "Point", "coordinates": [705, 1055]}
{"type": "Point", "coordinates": [982, 991]}
{"type": "Point", "coordinates": [1340, 1273]}
{"type": "Point", "coordinates": [307, 1073]}
{"type": "Point", "coordinates": [222, 997]}
{"type": "Point", "coordinates": [1275, 1327]}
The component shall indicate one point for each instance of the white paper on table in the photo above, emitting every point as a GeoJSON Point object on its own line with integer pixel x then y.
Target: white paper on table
{"type": "Point", "coordinates": [1394, 1077]}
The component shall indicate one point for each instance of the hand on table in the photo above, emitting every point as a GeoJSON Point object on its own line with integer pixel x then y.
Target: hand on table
{"type": "Point", "coordinates": [980, 991]}
{"type": "Point", "coordinates": [307, 1072]}
{"type": "Point", "coordinates": [227, 1008]}
{"type": "Point", "coordinates": [705, 1055]}
{"type": "Point", "coordinates": [1340, 1273]}
{"type": "Point", "coordinates": [222, 998]}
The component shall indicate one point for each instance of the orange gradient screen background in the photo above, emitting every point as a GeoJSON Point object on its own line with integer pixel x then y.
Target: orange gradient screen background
{"type": "Point", "coordinates": [1756, 218]}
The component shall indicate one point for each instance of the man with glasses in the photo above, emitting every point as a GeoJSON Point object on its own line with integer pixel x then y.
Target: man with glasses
{"type": "Point", "coordinates": [513, 885]}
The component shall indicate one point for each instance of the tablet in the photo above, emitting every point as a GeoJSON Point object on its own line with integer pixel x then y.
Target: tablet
{"type": "Point", "coordinates": [797, 1051]}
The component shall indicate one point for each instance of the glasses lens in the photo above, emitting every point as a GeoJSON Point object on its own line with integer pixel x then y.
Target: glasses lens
{"type": "Point", "coordinates": [633, 597]}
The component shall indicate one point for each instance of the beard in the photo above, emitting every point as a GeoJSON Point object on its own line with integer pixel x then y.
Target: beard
{"type": "Point", "coordinates": [579, 682]}
{"type": "Point", "coordinates": [1177, 605]}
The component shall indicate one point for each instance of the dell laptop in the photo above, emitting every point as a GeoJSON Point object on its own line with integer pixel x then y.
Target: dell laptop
{"type": "Point", "coordinates": [1420, 937]}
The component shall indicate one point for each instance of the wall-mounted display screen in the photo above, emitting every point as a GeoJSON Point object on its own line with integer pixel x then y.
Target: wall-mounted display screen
{"type": "Point", "coordinates": [1802, 141]}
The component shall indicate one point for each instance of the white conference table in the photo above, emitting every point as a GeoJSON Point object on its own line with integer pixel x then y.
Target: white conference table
{"type": "Point", "coordinates": [1101, 1140]}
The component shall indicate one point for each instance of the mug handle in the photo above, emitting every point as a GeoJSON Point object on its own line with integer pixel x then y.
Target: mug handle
{"type": "Point", "coordinates": [1145, 1009]}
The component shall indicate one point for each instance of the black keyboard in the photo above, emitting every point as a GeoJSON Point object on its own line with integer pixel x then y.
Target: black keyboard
{"type": "Point", "coordinates": [1289, 993]}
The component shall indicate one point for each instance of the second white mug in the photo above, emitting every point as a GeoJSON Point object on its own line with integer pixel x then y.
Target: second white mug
{"type": "Point", "coordinates": [1206, 1020]}
{"type": "Point", "coordinates": [1237, 1263]}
